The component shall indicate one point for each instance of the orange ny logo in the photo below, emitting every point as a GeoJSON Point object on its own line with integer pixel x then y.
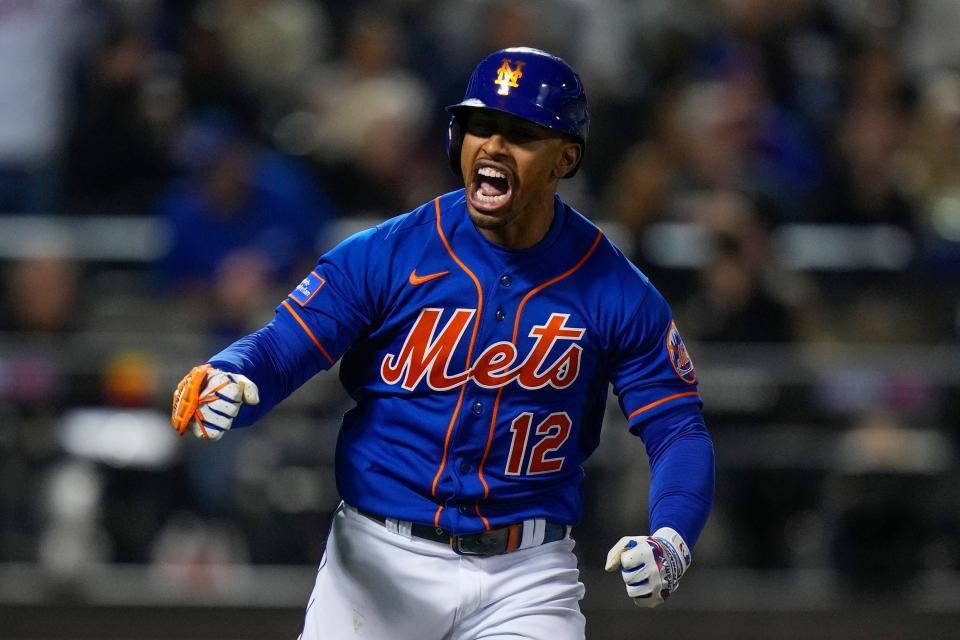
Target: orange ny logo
{"type": "Point", "coordinates": [507, 77]}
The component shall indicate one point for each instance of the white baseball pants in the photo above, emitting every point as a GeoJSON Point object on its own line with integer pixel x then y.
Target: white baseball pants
{"type": "Point", "coordinates": [380, 585]}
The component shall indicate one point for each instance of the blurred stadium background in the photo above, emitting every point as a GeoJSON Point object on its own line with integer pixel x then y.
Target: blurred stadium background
{"type": "Point", "coordinates": [786, 171]}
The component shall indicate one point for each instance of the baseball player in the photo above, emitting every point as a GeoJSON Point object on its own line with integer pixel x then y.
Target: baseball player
{"type": "Point", "coordinates": [477, 336]}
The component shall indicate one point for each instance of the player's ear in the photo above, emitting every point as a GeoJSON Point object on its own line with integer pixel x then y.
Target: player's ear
{"type": "Point", "coordinates": [568, 158]}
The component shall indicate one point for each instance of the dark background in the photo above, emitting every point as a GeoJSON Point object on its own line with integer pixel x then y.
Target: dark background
{"type": "Point", "coordinates": [787, 172]}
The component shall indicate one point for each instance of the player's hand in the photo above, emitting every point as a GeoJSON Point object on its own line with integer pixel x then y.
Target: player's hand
{"type": "Point", "coordinates": [207, 400]}
{"type": "Point", "coordinates": [651, 566]}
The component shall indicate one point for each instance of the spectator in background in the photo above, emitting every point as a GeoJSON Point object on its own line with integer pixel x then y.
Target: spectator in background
{"type": "Point", "coordinates": [41, 293]}
{"type": "Point", "coordinates": [717, 133]}
{"type": "Point", "coordinates": [738, 298]}
{"type": "Point", "coordinates": [208, 80]}
{"type": "Point", "coordinates": [369, 114]}
{"type": "Point", "coordinates": [866, 180]}
{"type": "Point", "coordinates": [883, 462]}
{"type": "Point", "coordinates": [636, 193]}
{"type": "Point", "coordinates": [935, 152]}
{"type": "Point", "coordinates": [37, 43]}
{"type": "Point", "coordinates": [934, 161]}
{"type": "Point", "coordinates": [736, 137]}
{"type": "Point", "coordinates": [639, 190]}
{"type": "Point", "coordinates": [117, 158]}
{"type": "Point", "coordinates": [552, 25]}
{"type": "Point", "coordinates": [46, 299]}
{"type": "Point", "coordinates": [272, 45]}
{"type": "Point", "coordinates": [928, 36]}
{"type": "Point", "coordinates": [241, 219]}
{"type": "Point", "coordinates": [41, 305]}
{"type": "Point", "coordinates": [800, 48]}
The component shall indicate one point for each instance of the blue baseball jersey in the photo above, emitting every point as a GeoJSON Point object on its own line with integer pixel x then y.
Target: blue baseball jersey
{"type": "Point", "coordinates": [480, 374]}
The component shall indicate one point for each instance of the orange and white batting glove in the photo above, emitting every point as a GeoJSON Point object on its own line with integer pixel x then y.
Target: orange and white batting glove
{"type": "Point", "coordinates": [651, 566]}
{"type": "Point", "coordinates": [207, 400]}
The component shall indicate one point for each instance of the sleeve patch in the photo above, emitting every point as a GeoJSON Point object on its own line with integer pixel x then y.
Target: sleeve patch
{"type": "Point", "coordinates": [307, 289]}
{"type": "Point", "coordinates": [679, 356]}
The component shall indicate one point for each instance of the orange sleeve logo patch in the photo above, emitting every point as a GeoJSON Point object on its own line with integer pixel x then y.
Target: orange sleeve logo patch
{"type": "Point", "coordinates": [307, 288]}
{"type": "Point", "coordinates": [679, 356]}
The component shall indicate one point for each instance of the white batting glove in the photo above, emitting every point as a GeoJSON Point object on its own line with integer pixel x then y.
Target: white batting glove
{"type": "Point", "coordinates": [651, 566]}
{"type": "Point", "coordinates": [207, 400]}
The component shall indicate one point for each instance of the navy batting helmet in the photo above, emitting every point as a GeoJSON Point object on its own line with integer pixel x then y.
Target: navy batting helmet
{"type": "Point", "coordinates": [527, 83]}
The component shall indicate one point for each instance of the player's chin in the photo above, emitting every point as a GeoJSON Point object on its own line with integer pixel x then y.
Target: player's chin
{"type": "Point", "coordinates": [486, 219]}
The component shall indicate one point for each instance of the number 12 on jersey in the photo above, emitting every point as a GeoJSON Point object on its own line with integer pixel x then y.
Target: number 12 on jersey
{"type": "Point", "coordinates": [553, 432]}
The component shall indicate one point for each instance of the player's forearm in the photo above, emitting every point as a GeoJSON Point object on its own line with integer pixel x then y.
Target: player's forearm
{"type": "Point", "coordinates": [684, 509]}
{"type": "Point", "coordinates": [681, 476]}
{"type": "Point", "coordinates": [276, 364]}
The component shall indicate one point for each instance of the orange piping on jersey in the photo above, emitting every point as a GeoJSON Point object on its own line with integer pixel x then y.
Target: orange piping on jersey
{"type": "Point", "coordinates": [473, 339]}
{"type": "Point", "coordinates": [486, 523]}
{"type": "Point", "coordinates": [569, 272]}
{"type": "Point", "coordinates": [516, 327]}
{"type": "Point", "coordinates": [486, 450]}
{"type": "Point", "coordinates": [303, 325]}
{"type": "Point", "coordinates": [661, 401]}
{"type": "Point", "coordinates": [443, 461]}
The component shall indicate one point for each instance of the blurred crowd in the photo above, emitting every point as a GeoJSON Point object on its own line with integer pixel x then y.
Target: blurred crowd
{"type": "Point", "coordinates": [786, 171]}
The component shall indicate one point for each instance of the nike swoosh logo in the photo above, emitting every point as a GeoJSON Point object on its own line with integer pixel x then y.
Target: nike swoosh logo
{"type": "Point", "coordinates": [417, 280]}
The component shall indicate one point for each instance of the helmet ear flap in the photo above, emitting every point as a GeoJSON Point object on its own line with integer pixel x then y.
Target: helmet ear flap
{"type": "Point", "coordinates": [454, 144]}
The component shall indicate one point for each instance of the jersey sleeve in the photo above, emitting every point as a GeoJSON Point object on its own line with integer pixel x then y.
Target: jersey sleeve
{"type": "Point", "coordinates": [335, 304]}
{"type": "Point", "coordinates": [656, 383]}
{"type": "Point", "coordinates": [337, 301]}
{"type": "Point", "coordinates": [652, 371]}
{"type": "Point", "coordinates": [682, 473]}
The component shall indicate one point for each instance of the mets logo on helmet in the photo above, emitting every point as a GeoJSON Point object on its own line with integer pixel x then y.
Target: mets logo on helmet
{"type": "Point", "coordinates": [679, 356]}
{"type": "Point", "coordinates": [508, 77]}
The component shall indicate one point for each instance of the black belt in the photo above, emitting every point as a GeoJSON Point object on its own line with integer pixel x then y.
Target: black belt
{"type": "Point", "coordinates": [486, 543]}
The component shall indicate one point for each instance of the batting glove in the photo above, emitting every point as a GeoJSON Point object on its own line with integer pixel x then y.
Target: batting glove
{"type": "Point", "coordinates": [651, 566]}
{"type": "Point", "coordinates": [207, 400]}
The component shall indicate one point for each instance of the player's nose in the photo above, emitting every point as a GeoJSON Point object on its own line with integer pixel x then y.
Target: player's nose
{"type": "Point", "coordinates": [495, 144]}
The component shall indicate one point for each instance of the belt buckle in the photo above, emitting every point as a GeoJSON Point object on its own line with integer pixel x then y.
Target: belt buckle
{"type": "Point", "coordinates": [489, 543]}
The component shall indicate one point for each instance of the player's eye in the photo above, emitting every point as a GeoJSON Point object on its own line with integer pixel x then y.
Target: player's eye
{"type": "Point", "coordinates": [520, 135]}
{"type": "Point", "coordinates": [484, 126]}
{"type": "Point", "coordinates": [481, 127]}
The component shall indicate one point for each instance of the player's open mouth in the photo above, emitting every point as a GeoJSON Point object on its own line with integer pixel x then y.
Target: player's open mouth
{"type": "Point", "coordinates": [491, 187]}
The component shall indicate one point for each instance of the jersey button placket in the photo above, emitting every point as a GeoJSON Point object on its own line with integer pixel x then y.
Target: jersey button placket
{"type": "Point", "coordinates": [477, 408]}
{"type": "Point", "coordinates": [505, 280]}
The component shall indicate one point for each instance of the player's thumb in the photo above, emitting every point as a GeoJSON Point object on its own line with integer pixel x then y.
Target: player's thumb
{"type": "Point", "coordinates": [251, 394]}
{"type": "Point", "coordinates": [613, 556]}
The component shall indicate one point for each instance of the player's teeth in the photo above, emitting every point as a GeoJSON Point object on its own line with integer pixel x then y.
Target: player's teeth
{"type": "Point", "coordinates": [490, 172]}
{"type": "Point", "coordinates": [489, 199]}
